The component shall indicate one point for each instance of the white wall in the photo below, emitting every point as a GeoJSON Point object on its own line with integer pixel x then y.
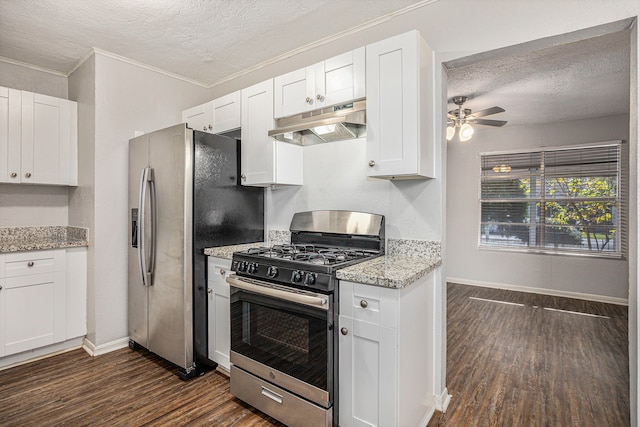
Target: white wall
{"type": "Point", "coordinates": [468, 264]}
{"type": "Point", "coordinates": [32, 205]}
{"type": "Point", "coordinates": [32, 80]}
{"type": "Point", "coordinates": [335, 177]}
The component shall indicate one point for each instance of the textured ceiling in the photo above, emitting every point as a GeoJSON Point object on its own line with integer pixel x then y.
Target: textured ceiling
{"type": "Point", "coordinates": [209, 41]}
{"type": "Point", "coordinates": [203, 40]}
{"type": "Point", "coordinates": [577, 80]}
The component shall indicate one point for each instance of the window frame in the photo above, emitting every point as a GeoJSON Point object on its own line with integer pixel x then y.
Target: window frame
{"type": "Point", "coordinates": [622, 199]}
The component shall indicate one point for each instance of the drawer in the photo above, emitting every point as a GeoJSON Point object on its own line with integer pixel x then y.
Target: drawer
{"type": "Point", "coordinates": [280, 404]}
{"type": "Point", "coordinates": [36, 262]}
{"type": "Point", "coordinates": [373, 304]}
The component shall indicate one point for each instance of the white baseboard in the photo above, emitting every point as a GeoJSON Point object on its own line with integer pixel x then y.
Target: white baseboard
{"type": "Point", "coordinates": [97, 350]}
{"type": "Point", "coordinates": [29, 356]}
{"type": "Point", "coordinates": [425, 420]}
{"type": "Point", "coordinates": [442, 401]}
{"type": "Point", "coordinates": [542, 291]}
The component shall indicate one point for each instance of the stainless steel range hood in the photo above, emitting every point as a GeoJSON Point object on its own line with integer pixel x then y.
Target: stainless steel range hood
{"type": "Point", "coordinates": [324, 125]}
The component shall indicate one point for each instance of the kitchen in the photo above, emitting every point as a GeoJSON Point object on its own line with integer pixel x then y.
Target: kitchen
{"type": "Point", "coordinates": [116, 92]}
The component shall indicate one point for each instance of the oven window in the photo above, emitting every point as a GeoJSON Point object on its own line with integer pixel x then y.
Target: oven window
{"type": "Point", "coordinates": [289, 337]}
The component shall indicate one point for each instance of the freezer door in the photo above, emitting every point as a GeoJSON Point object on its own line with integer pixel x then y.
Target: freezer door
{"type": "Point", "coordinates": [170, 293]}
{"type": "Point", "coordinates": [138, 294]}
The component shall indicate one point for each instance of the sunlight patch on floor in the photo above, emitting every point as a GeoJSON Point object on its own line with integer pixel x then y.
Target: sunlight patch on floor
{"type": "Point", "coordinates": [576, 312]}
{"type": "Point", "coordinates": [497, 301]}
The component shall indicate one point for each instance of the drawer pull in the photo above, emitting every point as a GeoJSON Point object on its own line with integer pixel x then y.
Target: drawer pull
{"type": "Point", "coordinates": [271, 395]}
{"type": "Point", "coordinates": [364, 304]}
{"type": "Point", "coordinates": [222, 272]}
{"type": "Point", "coordinates": [30, 264]}
{"type": "Point", "coordinates": [344, 331]}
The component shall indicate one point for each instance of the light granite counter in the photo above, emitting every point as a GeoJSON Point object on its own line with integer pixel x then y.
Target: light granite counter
{"type": "Point", "coordinates": [226, 252]}
{"type": "Point", "coordinates": [276, 237]}
{"type": "Point", "coordinates": [18, 239]}
{"type": "Point", "coordinates": [390, 271]}
{"type": "Point", "coordinates": [405, 262]}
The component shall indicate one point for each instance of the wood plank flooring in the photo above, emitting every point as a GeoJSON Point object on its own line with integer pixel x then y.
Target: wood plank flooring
{"type": "Point", "coordinates": [520, 362]}
{"type": "Point", "coordinates": [122, 388]}
{"type": "Point", "coordinates": [507, 365]}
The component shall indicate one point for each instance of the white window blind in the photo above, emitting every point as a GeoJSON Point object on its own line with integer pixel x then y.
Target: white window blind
{"type": "Point", "coordinates": [559, 200]}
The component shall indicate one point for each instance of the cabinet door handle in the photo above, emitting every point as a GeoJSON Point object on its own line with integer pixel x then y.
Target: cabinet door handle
{"type": "Point", "coordinates": [320, 97]}
{"type": "Point", "coordinates": [243, 177]}
{"type": "Point", "coordinates": [309, 100]}
{"type": "Point", "coordinates": [344, 331]}
{"type": "Point", "coordinates": [0, 288]}
{"type": "Point", "coordinates": [28, 174]}
{"type": "Point", "coordinates": [209, 290]}
{"type": "Point", "coordinates": [372, 163]}
{"type": "Point", "coordinates": [13, 174]}
{"type": "Point", "coordinates": [364, 303]}
{"type": "Point", "coordinates": [30, 264]}
{"type": "Point", "coordinates": [204, 128]}
{"type": "Point", "coordinates": [210, 127]}
{"type": "Point", "coordinates": [222, 272]}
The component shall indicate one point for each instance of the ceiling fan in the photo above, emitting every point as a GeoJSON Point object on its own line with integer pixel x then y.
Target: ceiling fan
{"type": "Point", "coordinates": [462, 118]}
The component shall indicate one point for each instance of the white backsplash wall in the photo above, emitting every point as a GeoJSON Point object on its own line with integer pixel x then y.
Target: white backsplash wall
{"type": "Point", "coordinates": [335, 177]}
{"type": "Point", "coordinates": [33, 205]}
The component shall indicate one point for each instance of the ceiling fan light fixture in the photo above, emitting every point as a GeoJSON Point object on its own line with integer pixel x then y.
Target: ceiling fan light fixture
{"type": "Point", "coordinates": [466, 132]}
{"type": "Point", "coordinates": [450, 132]}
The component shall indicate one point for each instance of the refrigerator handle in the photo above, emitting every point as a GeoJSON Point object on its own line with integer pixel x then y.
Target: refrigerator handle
{"type": "Point", "coordinates": [154, 223]}
{"type": "Point", "coordinates": [142, 226]}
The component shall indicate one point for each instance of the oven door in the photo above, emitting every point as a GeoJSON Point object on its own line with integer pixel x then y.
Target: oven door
{"type": "Point", "coordinates": [284, 336]}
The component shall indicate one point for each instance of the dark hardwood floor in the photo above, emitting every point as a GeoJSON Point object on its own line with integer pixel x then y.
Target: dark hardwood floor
{"type": "Point", "coordinates": [518, 364]}
{"type": "Point", "coordinates": [122, 388]}
{"type": "Point", "coordinates": [527, 364]}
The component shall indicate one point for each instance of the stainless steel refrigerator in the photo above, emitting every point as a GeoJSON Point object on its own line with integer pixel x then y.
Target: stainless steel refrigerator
{"type": "Point", "coordinates": [184, 195]}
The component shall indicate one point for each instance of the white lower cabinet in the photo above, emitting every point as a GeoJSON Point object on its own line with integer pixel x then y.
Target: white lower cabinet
{"type": "Point", "coordinates": [219, 311]}
{"type": "Point", "coordinates": [42, 298]}
{"type": "Point", "coordinates": [385, 355]}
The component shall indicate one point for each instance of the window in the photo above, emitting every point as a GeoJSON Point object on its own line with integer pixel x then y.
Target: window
{"type": "Point", "coordinates": [564, 200]}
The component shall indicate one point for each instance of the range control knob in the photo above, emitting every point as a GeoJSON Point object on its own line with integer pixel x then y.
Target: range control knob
{"type": "Point", "coordinates": [310, 279]}
{"type": "Point", "coordinates": [241, 266]}
{"type": "Point", "coordinates": [252, 268]}
{"type": "Point", "coordinates": [272, 271]}
{"type": "Point", "coordinates": [296, 276]}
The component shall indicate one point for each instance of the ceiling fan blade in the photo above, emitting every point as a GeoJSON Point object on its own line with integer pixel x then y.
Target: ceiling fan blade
{"type": "Point", "coordinates": [486, 112]}
{"type": "Point", "coordinates": [485, 122]}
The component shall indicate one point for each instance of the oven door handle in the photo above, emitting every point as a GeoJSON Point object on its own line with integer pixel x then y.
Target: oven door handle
{"type": "Point", "coordinates": [312, 300]}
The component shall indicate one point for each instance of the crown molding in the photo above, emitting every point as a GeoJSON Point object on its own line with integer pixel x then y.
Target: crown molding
{"type": "Point", "coordinates": [326, 40]}
{"type": "Point", "coordinates": [31, 66]}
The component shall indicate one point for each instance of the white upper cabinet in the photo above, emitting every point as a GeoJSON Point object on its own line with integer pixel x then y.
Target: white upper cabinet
{"type": "Point", "coordinates": [217, 116]}
{"type": "Point", "coordinates": [336, 80]}
{"type": "Point", "coordinates": [227, 113]}
{"type": "Point", "coordinates": [38, 139]}
{"type": "Point", "coordinates": [400, 99]}
{"type": "Point", "coordinates": [264, 160]}
{"type": "Point", "coordinates": [10, 134]}
{"type": "Point", "coordinates": [199, 117]}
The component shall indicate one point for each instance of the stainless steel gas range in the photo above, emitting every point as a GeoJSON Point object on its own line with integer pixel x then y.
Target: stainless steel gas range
{"type": "Point", "coordinates": [284, 315]}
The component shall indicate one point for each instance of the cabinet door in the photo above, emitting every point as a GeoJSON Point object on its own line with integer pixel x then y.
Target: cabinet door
{"type": "Point", "coordinates": [294, 92]}
{"type": "Point", "coordinates": [342, 78]}
{"type": "Point", "coordinates": [227, 113]}
{"type": "Point", "coordinates": [219, 312]}
{"type": "Point", "coordinates": [399, 107]}
{"type": "Point", "coordinates": [10, 134]}
{"type": "Point", "coordinates": [257, 148]}
{"type": "Point", "coordinates": [199, 117]}
{"type": "Point", "coordinates": [33, 311]}
{"type": "Point", "coordinates": [368, 374]}
{"type": "Point", "coordinates": [49, 140]}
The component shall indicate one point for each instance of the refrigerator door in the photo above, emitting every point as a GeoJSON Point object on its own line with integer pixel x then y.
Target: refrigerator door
{"type": "Point", "coordinates": [170, 294]}
{"type": "Point", "coordinates": [138, 294]}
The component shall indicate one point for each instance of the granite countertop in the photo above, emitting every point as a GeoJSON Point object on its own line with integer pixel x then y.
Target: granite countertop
{"type": "Point", "coordinates": [226, 252]}
{"type": "Point", "coordinates": [390, 271]}
{"type": "Point", "coordinates": [18, 239]}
